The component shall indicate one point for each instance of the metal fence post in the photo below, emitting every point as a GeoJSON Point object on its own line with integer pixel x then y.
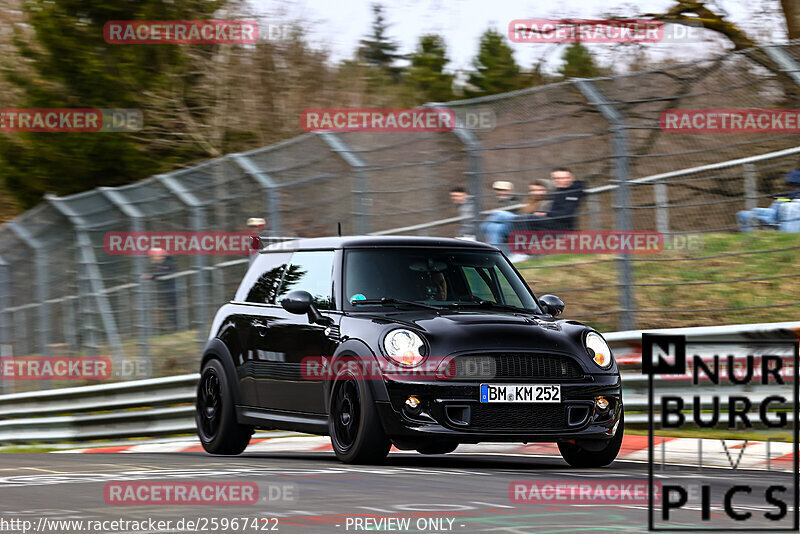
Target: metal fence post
{"type": "Point", "coordinates": [475, 181]}
{"type": "Point", "coordinates": [784, 60]}
{"type": "Point", "coordinates": [68, 322]}
{"type": "Point", "coordinates": [595, 212]}
{"type": "Point", "coordinates": [182, 313]}
{"type": "Point", "coordinates": [198, 260]}
{"type": "Point", "coordinates": [750, 186]}
{"type": "Point", "coordinates": [87, 260]}
{"type": "Point", "coordinates": [5, 340]}
{"type": "Point", "coordinates": [361, 197]}
{"type": "Point", "coordinates": [219, 282]}
{"type": "Point", "coordinates": [621, 156]}
{"type": "Point", "coordinates": [135, 216]}
{"type": "Point", "coordinates": [268, 185]}
{"type": "Point", "coordinates": [41, 269]}
{"type": "Point", "coordinates": [662, 208]}
{"type": "Point", "coordinates": [474, 173]}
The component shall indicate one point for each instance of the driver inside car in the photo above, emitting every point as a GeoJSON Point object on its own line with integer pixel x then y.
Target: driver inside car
{"type": "Point", "coordinates": [434, 286]}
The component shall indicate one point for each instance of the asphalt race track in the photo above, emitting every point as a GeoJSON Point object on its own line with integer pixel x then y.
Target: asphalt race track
{"type": "Point", "coordinates": [313, 492]}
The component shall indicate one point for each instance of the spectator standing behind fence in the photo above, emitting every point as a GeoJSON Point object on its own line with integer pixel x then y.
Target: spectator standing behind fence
{"type": "Point", "coordinates": [533, 216]}
{"type": "Point", "coordinates": [783, 213]}
{"type": "Point", "coordinates": [539, 201]}
{"type": "Point", "coordinates": [466, 208]}
{"type": "Point", "coordinates": [566, 198]}
{"type": "Point", "coordinates": [257, 226]}
{"type": "Point", "coordinates": [160, 267]}
{"type": "Point", "coordinates": [497, 225]}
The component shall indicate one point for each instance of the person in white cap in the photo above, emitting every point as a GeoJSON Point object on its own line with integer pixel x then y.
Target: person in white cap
{"type": "Point", "coordinates": [257, 226]}
{"type": "Point", "coordinates": [497, 226]}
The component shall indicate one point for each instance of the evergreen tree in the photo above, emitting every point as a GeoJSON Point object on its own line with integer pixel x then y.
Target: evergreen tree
{"type": "Point", "coordinates": [69, 64]}
{"type": "Point", "coordinates": [426, 73]}
{"type": "Point", "coordinates": [377, 50]}
{"type": "Point", "coordinates": [579, 63]}
{"type": "Point", "coordinates": [496, 71]}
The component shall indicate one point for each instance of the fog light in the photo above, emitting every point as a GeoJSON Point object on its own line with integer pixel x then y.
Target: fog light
{"type": "Point", "coordinates": [601, 403]}
{"type": "Point", "coordinates": [413, 404]}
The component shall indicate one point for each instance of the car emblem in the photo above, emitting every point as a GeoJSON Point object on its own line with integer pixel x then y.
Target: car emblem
{"type": "Point", "coordinates": [327, 331]}
{"type": "Point", "coordinates": [544, 324]}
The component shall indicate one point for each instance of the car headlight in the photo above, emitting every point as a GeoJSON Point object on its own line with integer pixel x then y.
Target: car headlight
{"type": "Point", "coordinates": [404, 347]}
{"type": "Point", "coordinates": [598, 350]}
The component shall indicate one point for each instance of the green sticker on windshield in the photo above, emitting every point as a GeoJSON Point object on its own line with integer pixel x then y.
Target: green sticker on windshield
{"type": "Point", "coordinates": [357, 296]}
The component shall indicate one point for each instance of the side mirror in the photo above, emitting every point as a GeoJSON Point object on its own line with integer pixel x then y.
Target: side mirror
{"type": "Point", "coordinates": [552, 305]}
{"type": "Point", "coordinates": [300, 302]}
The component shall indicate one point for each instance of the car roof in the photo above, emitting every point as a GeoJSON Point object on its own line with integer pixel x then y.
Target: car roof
{"type": "Point", "coordinates": [344, 242]}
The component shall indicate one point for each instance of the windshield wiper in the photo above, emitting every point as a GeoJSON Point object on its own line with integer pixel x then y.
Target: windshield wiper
{"type": "Point", "coordinates": [390, 302]}
{"type": "Point", "coordinates": [497, 305]}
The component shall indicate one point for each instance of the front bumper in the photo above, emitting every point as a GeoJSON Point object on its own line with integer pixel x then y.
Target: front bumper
{"type": "Point", "coordinates": [452, 411]}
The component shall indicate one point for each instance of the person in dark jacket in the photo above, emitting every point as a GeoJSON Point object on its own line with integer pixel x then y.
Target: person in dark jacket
{"type": "Point", "coordinates": [566, 198]}
{"type": "Point", "coordinates": [160, 267]}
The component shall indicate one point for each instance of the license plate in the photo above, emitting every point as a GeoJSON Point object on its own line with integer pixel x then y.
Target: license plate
{"type": "Point", "coordinates": [520, 393]}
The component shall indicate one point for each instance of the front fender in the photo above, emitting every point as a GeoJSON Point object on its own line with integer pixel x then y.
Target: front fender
{"type": "Point", "coordinates": [350, 348]}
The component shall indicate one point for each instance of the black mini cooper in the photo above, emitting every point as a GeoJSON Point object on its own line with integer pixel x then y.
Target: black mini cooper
{"type": "Point", "coordinates": [424, 343]}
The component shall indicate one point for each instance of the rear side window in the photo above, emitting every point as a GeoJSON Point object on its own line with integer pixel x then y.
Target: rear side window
{"type": "Point", "coordinates": [310, 271]}
{"type": "Point", "coordinates": [263, 279]}
{"type": "Point", "coordinates": [478, 286]}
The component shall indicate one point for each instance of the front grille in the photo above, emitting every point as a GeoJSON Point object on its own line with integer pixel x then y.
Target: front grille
{"type": "Point", "coordinates": [516, 365]}
{"type": "Point", "coordinates": [518, 417]}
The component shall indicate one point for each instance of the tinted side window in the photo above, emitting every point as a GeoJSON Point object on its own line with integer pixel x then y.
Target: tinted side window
{"type": "Point", "coordinates": [263, 279]}
{"type": "Point", "coordinates": [477, 285]}
{"type": "Point", "coordinates": [310, 271]}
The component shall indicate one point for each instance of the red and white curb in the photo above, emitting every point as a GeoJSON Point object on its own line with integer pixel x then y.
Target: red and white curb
{"type": "Point", "coordinates": [777, 456]}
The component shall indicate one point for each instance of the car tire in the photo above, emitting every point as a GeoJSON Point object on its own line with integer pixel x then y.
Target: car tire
{"type": "Point", "coordinates": [217, 428]}
{"type": "Point", "coordinates": [356, 432]}
{"type": "Point", "coordinates": [577, 456]}
{"type": "Point", "coordinates": [442, 447]}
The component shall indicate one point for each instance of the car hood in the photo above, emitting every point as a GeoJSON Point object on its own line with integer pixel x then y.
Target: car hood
{"type": "Point", "coordinates": [468, 331]}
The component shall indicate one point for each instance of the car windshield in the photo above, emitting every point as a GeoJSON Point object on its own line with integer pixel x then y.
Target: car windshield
{"type": "Point", "coordinates": [435, 277]}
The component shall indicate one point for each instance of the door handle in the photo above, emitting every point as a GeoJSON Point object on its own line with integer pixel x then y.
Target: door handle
{"type": "Point", "coordinates": [260, 327]}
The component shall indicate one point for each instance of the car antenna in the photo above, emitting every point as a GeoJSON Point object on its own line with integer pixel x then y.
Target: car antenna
{"type": "Point", "coordinates": [339, 228]}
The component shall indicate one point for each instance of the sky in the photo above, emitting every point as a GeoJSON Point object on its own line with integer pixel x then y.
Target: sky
{"type": "Point", "coordinates": [337, 25]}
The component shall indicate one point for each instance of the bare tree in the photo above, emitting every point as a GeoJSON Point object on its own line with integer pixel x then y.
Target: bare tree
{"type": "Point", "coordinates": [791, 11]}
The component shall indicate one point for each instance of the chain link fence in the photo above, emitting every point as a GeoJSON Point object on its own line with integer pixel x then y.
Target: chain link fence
{"type": "Point", "coordinates": [61, 293]}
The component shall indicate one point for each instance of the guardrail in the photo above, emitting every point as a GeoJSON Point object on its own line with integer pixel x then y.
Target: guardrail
{"type": "Point", "coordinates": [139, 408]}
{"type": "Point", "coordinates": [165, 406]}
